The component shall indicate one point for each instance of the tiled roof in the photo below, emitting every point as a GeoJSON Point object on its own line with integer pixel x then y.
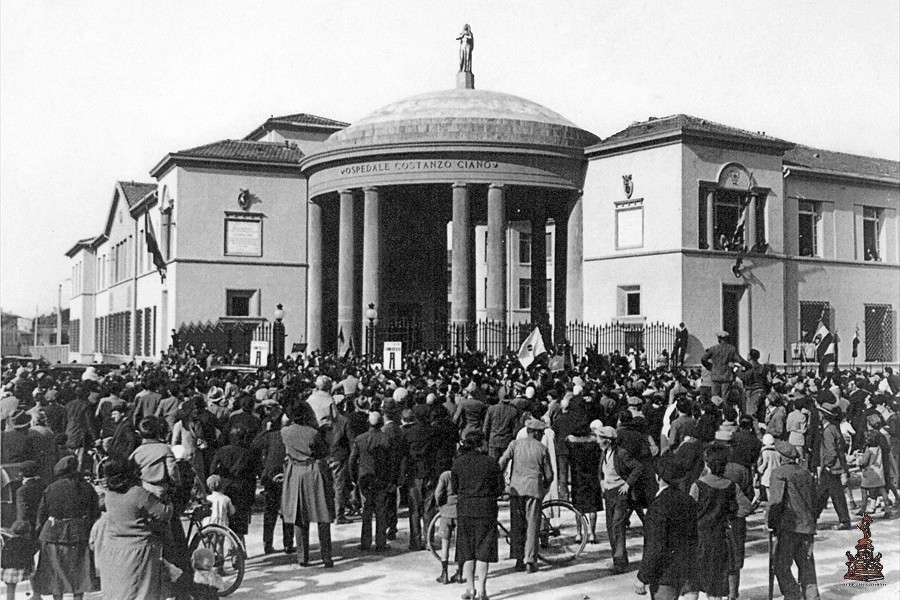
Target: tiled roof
{"type": "Point", "coordinates": [307, 119]}
{"type": "Point", "coordinates": [687, 123]}
{"type": "Point", "coordinates": [135, 192]}
{"type": "Point", "coordinates": [841, 163]}
{"type": "Point", "coordinates": [243, 150]}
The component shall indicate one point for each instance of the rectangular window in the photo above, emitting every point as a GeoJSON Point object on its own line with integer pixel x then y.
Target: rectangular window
{"type": "Point", "coordinates": [524, 248]}
{"type": "Point", "coordinates": [153, 333]}
{"type": "Point", "coordinates": [872, 233]}
{"type": "Point", "coordinates": [630, 224]}
{"type": "Point", "coordinates": [243, 234]}
{"type": "Point", "coordinates": [879, 333]}
{"type": "Point", "coordinates": [729, 219]}
{"type": "Point", "coordinates": [549, 294]}
{"type": "Point", "coordinates": [485, 292]}
{"type": "Point", "coordinates": [240, 303]}
{"type": "Point", "coordinates": [449, 273]}
{"type": "Point", "coordinates": [548, 245]}
{"type": "Point", "coordinates": [524, 294]}
{"type": "Point", "coordinates": [808, 218]}
{"type": "Point", "coordinates": [139, 331]}
{"type": "Point", "coordinates": [485, 246]}
{"type": "Point", "coordinates": [629, 300]}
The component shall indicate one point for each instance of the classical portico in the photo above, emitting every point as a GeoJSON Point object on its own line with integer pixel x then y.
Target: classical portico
{"type": "Point", "coordinates": [383, 190]}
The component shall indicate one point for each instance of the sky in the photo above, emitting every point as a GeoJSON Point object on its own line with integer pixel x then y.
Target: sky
{"type": "Point", "coordinates": [95, 92]}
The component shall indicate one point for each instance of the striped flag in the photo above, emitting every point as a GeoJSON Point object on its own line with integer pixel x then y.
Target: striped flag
{"type": "Point", "coordinates": [825, 346]}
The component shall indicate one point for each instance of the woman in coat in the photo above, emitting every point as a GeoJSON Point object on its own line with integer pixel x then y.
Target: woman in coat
{"type": "Point", "coordinates": [478, 482]}
{"type": "Point", "coordinates": [307, 495]}
{"type": "Point", "coordinates": [131, 548]}
{"type": "Point", "coordinates": [237, 465]}
{"type": "Point", "coordinates": [66, 514]}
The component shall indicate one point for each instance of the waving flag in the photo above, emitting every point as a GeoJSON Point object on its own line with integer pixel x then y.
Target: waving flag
{"type": "Point", "coordinates": [532, 347]}
{"type": "Point", "coordinates": [825, 346]}
{"type": "Point", "coordinates": [150, 236]}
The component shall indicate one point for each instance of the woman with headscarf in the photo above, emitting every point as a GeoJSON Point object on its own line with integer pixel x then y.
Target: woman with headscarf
{"type": "Point", "coordinates": [237, 465]}
{"type": "Point", "coordinates": [137, 522]}
{"type": "Point", "coordinates": [66, 514]}
{"type": "Point", "coordinates": [307, 495]}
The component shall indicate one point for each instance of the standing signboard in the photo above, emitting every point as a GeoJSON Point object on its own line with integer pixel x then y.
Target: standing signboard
{"type": "Point", "coordinates": [393, 356]}
{"type": "Point", "coordinates": [259, 353]}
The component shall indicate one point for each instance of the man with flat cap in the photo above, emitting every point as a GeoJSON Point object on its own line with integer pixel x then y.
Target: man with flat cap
{"type": "Point", "coordinates": [792, 519]}
{"type": "Point", "coordinates": [719, 360]}
{"type": "Point", "coordinates": [532, 474]}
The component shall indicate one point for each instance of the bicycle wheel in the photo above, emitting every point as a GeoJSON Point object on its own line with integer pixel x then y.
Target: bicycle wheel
{"type": "Point", "coordinates": [228, 552]}
{"type": "Point", "coordinates": [563, 532]}
{"type": "Point", "coordinates": [433, 537]}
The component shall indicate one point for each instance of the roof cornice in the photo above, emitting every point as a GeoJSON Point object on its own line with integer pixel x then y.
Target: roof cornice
{"type": "Point", "coordinates": [176, 159]}
{"type": "Point", "coordinates": [687, 136]}
{"type": "Point", "coordinates": [829, 175]}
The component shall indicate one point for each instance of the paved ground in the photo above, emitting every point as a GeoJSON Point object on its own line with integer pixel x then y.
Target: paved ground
{"type": "Point", "coordinates": [399, 575]}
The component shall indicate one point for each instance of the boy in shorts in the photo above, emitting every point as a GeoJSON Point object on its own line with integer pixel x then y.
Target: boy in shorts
{"type": "Point", "coordinates": [445, 497]}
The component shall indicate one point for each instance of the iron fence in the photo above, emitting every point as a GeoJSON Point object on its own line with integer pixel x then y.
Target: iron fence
{"type": "Point", "coordinates": [224, 337]}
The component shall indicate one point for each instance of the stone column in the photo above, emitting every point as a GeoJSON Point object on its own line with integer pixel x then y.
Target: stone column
{"type": "Point", "coordinates": [371, 275]}
{"type": "Point", "coordinates": [539, 264]}
{"type": "Point", "coordinates": [314, 297]}
{"type": "Point", "coordinates": [560, 271]}
{"type": "Point", "coordinates": [710, 219]}
{"type": "Point", "coordinates": [496, 254]}
{"type": "Point", "coordinates": [575, 261]}
{"type": "Point", "coordinates": [346, 283]}
{"type": "Point", "coordinates": [461, 275]}
{"type": "Point", "coordinates": [750, 230]}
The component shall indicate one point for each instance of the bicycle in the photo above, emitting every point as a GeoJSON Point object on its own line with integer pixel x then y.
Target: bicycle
{"type": "Point", "coordinates": [230, 554]}
{"type": "Point", "coordinates": [562, 536]}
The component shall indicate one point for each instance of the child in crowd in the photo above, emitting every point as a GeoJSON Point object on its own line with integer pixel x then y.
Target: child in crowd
{"type": "Point", "coordinates": [871, 462]}
{"type": "Point", "coordinates": [445, 498]}
{"type": "Point", "coordinates": [207, 582]}
{"type": "Point", "coordinates": [221, 506]}
{"type": "Point", "coordinates": [17, 556]}
{"type": "Point", "coordinates": [769, 460]}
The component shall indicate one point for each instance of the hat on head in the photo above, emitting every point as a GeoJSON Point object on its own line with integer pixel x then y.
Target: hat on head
{"type": "Point", "coordinates": [408, 416]}
{"type": "Point", "coordinates": [649, 393]}
{"type": "Point", "coordinates": [724, 435]}
{"type": "Point", "coordinates": [669, 469]}
{"type": "Point", "coordinates": [400, 394]}
{"type": "Point", "coordinates": [721, 334]}
{"type": "Point", "coordinates": [634, 401]}
{"type": "Point", "coordinates": [596, 426]}
{"type": "Point", "coordinates": [786, 450]}
{"type": "Point", "coordinates": [607, 432]}
{"type": "Point", "coordinates": [65, 466]}
{"type": "Point", "coordinates": [20, 419]}
{"type": "Point", "coordinates": [535, 425]}
{"type": "Point", "coordinates": [717, 400]}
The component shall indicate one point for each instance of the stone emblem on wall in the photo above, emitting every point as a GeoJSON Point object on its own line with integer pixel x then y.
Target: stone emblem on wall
{"type": "Point", "coordinates": [245, 199]}
{"type": "Point", "coordinates": [628, 185]}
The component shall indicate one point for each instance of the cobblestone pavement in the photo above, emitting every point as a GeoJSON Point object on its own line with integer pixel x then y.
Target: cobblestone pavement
{"type": "Point", "coordinates": [398, 574]}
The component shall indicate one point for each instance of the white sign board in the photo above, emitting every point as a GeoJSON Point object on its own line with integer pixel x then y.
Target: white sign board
{"type": "Point", "coordinates": [243, 237]}
{"type": "Point", "coordinates": [630, 227]}
{"type": "Point", "coordinates": [393, 356]}
{"type": "Point", "coordinates": [259, 353]}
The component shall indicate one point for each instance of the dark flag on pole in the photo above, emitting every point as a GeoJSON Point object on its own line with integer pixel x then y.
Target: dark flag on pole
{"type": "Point", "coordinates": [158, 261]}
{"type": "Point", "coordinates": [826, 351]}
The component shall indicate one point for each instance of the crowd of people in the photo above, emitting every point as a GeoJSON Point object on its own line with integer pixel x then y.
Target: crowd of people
{"type": "Point", "coordinates": [692, 451]}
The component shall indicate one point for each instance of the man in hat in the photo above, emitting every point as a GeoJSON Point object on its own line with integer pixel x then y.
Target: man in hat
{"type": "Point", "coordinates": [532, 474]}
{"type": "Point", "coordinates": [15, 444]}
{"type": "Point", "coordinates": [124, 436]}
{"type": "Point", "coordinates": [833, 470]}
{"type": "Point", "coordinates": [370, 464]}
{"type": "Point", "coordinates": [418, 466]}
{"type": "Point", "coordinates": [719, 360]}
{"type": "Point", "coordinates": [28, 496]}
{"type": "Point", "coordinates": [792, 518]}
{"type": "Point", "coordinates": [670, 535]}
{"type": "Point", "coordinates": [620, 473]}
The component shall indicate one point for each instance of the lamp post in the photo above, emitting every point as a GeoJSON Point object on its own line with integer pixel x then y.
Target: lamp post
{"type": "Point", "coordinates": [371, 315]}
{"type": "Point", "coordinates": [278, 334]}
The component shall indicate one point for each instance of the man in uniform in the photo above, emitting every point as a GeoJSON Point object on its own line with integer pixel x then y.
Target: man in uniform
{"type": "Point", "coordinates": [719, 360]}
{"type": "Point", "coordinates": [792, 519]}
{"type": "Point", "coordinates": [532, 474]}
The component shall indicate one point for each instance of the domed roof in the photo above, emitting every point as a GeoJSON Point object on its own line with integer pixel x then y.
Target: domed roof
{"type": "Point", "coordinates": [462, 115]}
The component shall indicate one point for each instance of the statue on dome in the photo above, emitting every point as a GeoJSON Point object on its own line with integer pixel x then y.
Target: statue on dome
{"type": "Point", "coordinates": [466, 44]}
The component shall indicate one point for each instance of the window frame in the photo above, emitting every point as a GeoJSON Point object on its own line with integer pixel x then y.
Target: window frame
{"type": "Point", "coordinates": [813, 210]}
{"type": "Point", "coordinates": [525, 238]}
{"type": "Point", "coordinates": [624, 206]}
{"type": "Point", "coordinates": [253, 304]}
{"type": "Point", "coordinates": [878, 219]}
{"type": "Point", "coordinates": [524, 300]}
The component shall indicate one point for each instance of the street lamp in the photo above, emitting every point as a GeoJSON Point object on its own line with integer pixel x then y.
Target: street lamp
{"type": "Point", "coordinates": [371, 315]}
{"type": "Point", "coordinates": [278, 334]}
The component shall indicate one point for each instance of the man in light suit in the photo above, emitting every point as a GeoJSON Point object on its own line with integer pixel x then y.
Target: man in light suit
{"type": "Point", "coordinates": [532, 474]}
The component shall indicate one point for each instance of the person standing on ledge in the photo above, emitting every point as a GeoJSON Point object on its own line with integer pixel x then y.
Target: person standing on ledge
{"type": "Point", "coordinates": [466, 45]}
